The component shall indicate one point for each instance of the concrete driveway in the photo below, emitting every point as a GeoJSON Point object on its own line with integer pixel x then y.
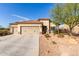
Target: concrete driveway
{"type": "Point", "coordinates": [19, 45]}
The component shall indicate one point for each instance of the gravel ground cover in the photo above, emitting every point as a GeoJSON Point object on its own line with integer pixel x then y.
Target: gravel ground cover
{"type": "Point", "coordinates": [57, 46]}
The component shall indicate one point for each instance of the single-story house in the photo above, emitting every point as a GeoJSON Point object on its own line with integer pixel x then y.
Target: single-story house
{"type": "Point", "coordinates": [42, 25]}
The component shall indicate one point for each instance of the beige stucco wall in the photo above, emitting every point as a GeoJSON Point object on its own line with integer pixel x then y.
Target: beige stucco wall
{"type": "Point", "coordinates": [11, 27]}
{"type": "Point", "coordinates": [52, 25]}
{"type": "Point", "coordinates": [46, 23]}
{"type": "Point", "coordinates": [19, 25]}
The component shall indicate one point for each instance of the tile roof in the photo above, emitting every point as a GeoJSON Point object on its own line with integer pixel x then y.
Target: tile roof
{"type": "Point", "coordinates": [27, 22]}
{"type": "Point", "coordinates": [43, 19]}
{"type": "Point", "coordinates": [30, 21]}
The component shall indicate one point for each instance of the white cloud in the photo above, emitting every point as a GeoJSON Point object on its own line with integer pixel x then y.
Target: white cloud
{"type": "Point", "coordinates": [25, 18]}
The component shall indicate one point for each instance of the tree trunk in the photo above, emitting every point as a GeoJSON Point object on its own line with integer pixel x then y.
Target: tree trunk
{"type": "Point", "coordinates": [71, 30]}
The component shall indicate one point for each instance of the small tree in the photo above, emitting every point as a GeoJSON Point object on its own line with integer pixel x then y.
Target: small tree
{"type": "Point", "coordinates": [67, 14]}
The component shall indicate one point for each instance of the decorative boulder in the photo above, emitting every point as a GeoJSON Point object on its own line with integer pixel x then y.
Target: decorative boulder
{"type": "Point", "coordinates": [64, 28]}
{"type": "Point", "coordinates": [75, 30]}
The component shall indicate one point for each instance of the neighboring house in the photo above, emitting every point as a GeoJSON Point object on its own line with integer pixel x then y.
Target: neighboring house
{"type": "Point", "coordinates": [32, 26]}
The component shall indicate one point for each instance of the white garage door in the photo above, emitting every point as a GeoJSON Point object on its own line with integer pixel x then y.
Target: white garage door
{"type": "Point", "coordinates": [29, 30]}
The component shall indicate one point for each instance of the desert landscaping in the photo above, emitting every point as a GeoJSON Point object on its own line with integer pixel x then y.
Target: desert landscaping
{"type": "Point", "coordinates": [64, 41]}
{"type": "Point", "coordinates": [56, 45]}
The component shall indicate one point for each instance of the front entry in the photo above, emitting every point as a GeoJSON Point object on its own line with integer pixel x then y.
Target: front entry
{"type": "Point", "coordinates": [44, 29]}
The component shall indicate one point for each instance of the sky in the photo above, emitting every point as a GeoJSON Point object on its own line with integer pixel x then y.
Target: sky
{"type": "Point", "coordinates": [12, 12]}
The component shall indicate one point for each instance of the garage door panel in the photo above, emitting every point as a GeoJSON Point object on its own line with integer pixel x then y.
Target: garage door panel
{"type": "Point", "coordinates": [31, 30]}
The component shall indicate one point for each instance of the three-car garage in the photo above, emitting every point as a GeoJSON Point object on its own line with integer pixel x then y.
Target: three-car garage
{"type": "Point", "coordinates": [26, 29]}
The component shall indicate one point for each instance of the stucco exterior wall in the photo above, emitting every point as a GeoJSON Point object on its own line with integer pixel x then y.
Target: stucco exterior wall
{"type": "Point", "coordinates": [31, 25]}
{"type": "Point", "coordinates": [46, 23]}
{"type": "Point", "coordinates": [52, 25]}
{"type": "Point", "coordinates": [11, 28]}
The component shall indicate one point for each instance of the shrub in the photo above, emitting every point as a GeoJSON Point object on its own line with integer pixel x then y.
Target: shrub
{"type": "Point", "coordinates": [4, 32]}
{"type": "Point", "coordinates": [61, 35]}
{"type": "Point", "coordinates": [54, 42]}
{"type": "Point", "coordinates": [47, 35]}
{"type": "Point", "coordinates": [55, 31]}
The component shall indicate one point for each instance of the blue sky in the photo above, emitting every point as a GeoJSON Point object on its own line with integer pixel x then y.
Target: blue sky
{"type": "Point", "coordinates": [23, 11]}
